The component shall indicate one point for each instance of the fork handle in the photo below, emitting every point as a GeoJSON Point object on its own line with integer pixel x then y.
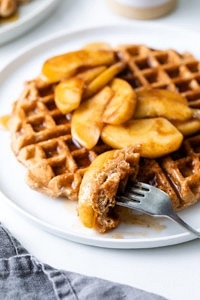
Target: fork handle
{"type": "Point", "coordinates": [180, 221]}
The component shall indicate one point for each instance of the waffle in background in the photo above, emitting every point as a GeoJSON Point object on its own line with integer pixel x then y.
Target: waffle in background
{"type": "Point", "coordinates": [9, 7]}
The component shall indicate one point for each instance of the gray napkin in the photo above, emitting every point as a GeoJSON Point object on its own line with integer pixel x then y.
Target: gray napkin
{"type": "Point", "coordinates": [22, 277]}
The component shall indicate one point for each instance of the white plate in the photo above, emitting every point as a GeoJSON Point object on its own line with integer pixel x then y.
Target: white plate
{"type": "Point", "coordinates": [57, 216]}
{"type": "Point", "coordinates": [30, 14]}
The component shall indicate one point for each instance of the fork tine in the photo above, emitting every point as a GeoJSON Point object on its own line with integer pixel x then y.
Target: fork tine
{"type": "Point", "coordinates": [142, 185]}
{"type": "Point", "coordinates": [127, 197]}
{"type": "Point", "coordinates": [137, 189]}
{"type": "Point", "coordinates": [134, 191]}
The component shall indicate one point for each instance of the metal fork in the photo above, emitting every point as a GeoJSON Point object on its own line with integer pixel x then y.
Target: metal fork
{"type": "Point", "coordinates": [152, 201]}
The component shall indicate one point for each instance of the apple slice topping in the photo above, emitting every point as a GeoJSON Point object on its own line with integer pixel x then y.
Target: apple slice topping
{"type": "Point", "coordinates": [66, 65]}
{"type": "Point", "coordinates": [86, 122]}
{"type": "Point", "coordinates": [87, 84]}
{"type": "Point", "coordinates": [122, 105]}
{"type": "Point", "coordinates": [162, 103]}
{"type": "Point", "coordinates": [68, 94]}
{"type": "Point", "coordinates": [157, 136]}
{"type": "Point", "coordinates": [103, 79]}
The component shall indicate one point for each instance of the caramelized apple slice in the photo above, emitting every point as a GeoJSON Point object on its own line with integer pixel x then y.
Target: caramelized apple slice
{"type": "Point", "coordinates": [91, 74]}
{"type": "Point", "coordinates": [68, 94]}
{"type": "Point", "coordinates": [86, 211]}
{"type": "Point", "coordinates": [122, 105]}
{"type": "Point", "coordinates": [4, 121]}
{"type": "Point", "coordinates": [66, 65]}
{"type": "Point", "coordinates": [188, 127]}
{"type": "Point", "coordinates": [86, 123]}
{"type": "Point", "coordinates": [157, 136]}
{"type": "Point", "coordinates": [104, 78]}
{"type": "Point", "coordinates": [162, 103]}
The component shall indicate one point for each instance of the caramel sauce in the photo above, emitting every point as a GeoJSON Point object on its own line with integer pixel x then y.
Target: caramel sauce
{"type": "Point", "coordinates": [127, 216]}
{"type": "Point", "coordinates": [14, 17]}
{"type": "Point", "coordinates": [4, 120]}
{"type": "Point", "coordinates": [118, 236]}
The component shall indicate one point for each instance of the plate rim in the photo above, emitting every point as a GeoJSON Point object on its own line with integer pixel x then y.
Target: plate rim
{"type": "Point", "coordinates": [68, 32]}
{"type": "Point", "coordinates": [93, 241]}
{"type": "Point", "coordinates": [110, 243]}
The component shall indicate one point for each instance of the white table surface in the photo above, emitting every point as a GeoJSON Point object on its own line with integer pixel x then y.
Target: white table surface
{"type": "Point", "coordinates": [169, 271]}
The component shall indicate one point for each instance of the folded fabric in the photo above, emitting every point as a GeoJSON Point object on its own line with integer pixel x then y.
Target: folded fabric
{"type": "Point", "coordinates": [22, 277]}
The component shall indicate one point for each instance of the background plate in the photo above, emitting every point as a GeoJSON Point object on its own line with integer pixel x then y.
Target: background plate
{"type": "Point", "coordinates": [56, 215]}
{"type": "Point", "coordinates": [30, 14]}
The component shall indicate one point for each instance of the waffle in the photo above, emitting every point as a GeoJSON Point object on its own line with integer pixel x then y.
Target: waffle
{"type": "Point", "coordinates": [41, 139]}
{"type": "Point", "coordinates": [41, 136]}
{"type": "Point", "coordinates": [177, 174]}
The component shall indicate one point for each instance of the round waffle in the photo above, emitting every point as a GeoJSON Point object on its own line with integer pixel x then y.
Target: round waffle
{"type": "Point", "coordinates": [42, 141]}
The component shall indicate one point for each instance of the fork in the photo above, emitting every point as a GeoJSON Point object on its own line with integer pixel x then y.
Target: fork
{"type": "Point", "coordinates": [152, 201]}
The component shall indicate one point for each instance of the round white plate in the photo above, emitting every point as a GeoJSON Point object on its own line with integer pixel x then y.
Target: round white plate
{"type": "Point", "coordinates": [56, 215]}
{"type": "Point", "coordinates": [30, 14]}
